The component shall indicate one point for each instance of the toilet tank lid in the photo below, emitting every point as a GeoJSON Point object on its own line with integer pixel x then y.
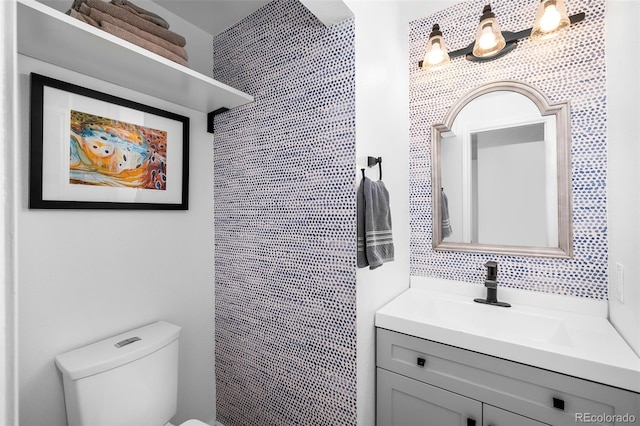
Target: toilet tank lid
{"type": "Point", "coordinates": [117, 350]}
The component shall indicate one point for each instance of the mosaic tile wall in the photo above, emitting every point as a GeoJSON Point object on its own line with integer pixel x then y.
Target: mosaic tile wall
{"type": "Point", "coordinates": [285, 222]}
{"type": "Point", "coordinates": [571, 67]}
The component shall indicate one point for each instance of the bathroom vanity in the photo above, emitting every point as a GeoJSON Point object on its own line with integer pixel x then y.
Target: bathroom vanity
{"type": "Point", "coordinates": [444, 360]}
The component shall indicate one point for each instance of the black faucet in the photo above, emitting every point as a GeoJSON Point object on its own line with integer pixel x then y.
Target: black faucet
{"type": "Point", "coordinates": [491, 283]}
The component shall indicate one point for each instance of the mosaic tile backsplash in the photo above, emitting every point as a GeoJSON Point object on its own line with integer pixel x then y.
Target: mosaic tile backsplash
{"type": "Point", "coordinates": [571, 67]}
{"type": "Point", "coordinates": [285, 222]}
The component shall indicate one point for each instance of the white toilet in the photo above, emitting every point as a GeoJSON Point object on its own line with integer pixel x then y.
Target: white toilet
{"type": "Point", "coordinates": [127, 380]}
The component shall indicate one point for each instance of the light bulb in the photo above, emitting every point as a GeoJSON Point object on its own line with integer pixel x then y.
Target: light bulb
{"type": "Point", "coordinates": [487, 39]}
{"type": "Point", "coordinates": [551, 20]}
{"type": "Point", "coordinates": [436, 55]}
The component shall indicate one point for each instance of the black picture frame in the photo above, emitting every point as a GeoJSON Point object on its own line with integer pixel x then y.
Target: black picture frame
{"type": "Point", "coordinates": [162, 164]}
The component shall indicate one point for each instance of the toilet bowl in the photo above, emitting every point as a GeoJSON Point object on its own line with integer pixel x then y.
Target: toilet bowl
{"type": "Point", "coordinates": [128, 379]}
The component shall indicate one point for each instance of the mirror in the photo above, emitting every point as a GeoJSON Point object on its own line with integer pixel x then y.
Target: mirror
{"type": "Point", "coordinates": [501, 174]}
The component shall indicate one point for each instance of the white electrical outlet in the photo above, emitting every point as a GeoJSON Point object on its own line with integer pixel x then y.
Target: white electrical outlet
{"type": "Point", "coordinates": [619, 281]}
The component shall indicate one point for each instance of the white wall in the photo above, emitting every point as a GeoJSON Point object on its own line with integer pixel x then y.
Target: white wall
{"type": "Point", "coordinates": [623, 187]}
{"type": "Point", "coordinates": [381, 131]}
{"type": "Point", "coordinates": [7, 223]}
{"type": "Point", "coordinates": [86, 275]}
{"type": "Point", "coordinates": [382, 99]}
{"type": "Point", "coordinates": [511, 193]}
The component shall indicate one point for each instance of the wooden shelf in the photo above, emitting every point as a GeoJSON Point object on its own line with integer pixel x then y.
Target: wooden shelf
{"type": "Point", "coordinates": [51, 36]}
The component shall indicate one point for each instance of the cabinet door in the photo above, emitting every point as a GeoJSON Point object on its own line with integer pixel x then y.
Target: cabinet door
{"type": "Point", "coordinates": [493, 416]}
{"type": "Point", "coordinates": [402, 401]}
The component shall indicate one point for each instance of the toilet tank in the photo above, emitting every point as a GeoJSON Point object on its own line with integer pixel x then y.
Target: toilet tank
{"type": "Point", "coordinates": [129, 379]}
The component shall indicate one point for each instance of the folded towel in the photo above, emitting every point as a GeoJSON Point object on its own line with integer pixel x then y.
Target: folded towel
{"type": "Point", "coordinates": [139, 41]}
{"type": "Point", "coordinates": [82, 17]}
{"type": "Point", "coordinates": [136, 21]}
{"type": "Point", "coordinates": [444, 215]}
{"type": "Point", "coordinates": [101, 17]}
{"type": "Point", "coordinates": [374, 224]}
{"type": "Point", "coordinates": [113, 26]}
{"type": "Point", "coordinates": [143, 13]}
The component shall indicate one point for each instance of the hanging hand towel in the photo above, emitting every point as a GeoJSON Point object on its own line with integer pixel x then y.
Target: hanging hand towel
{"type": "Point", "coordinates": [375, 240]}
{"type": "Point", "coordinates": [361, 260]}
{"type": "Point", "coordinates": [444, 216]}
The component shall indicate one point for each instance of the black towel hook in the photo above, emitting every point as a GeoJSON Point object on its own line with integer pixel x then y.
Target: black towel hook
{"type": "Point", "coordinates": [372, 161]}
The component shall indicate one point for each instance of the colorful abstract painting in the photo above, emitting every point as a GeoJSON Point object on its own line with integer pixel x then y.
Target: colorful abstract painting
{"type": "Point", "coordinates": [107, 152]}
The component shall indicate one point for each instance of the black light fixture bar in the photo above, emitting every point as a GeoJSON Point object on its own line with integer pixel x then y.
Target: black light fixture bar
{"type": "Point", "coordinates": [512, 42]}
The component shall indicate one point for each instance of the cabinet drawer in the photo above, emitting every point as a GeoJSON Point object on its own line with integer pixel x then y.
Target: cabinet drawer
{"type": "Point", "coordinates": [542, 395]}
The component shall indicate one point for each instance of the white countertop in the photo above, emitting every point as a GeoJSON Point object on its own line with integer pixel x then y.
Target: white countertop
{"type": "Point", "coordinates": [565, 334]}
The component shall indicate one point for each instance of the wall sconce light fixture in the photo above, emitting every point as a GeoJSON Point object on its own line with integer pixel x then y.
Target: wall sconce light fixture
{"type": "Point", "coordinates": [489, 39]}
{"type": "Point", "coordinates": [492, 43]}
{"type": "Point", "coordinates": [436, 54]}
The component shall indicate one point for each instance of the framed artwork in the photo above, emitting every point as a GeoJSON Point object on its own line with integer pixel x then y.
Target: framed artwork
{"type": "Point", "coordinates": [92, 150]}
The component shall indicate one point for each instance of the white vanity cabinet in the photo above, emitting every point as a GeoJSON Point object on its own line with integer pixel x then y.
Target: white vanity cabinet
{"type": "Point", "coordinates": [425, 383]}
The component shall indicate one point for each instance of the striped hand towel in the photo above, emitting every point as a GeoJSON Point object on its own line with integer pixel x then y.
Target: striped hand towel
{"type": "Point", "coordinates": [375, 240]}
{"type": "Point", "coordinates": [444, 216]}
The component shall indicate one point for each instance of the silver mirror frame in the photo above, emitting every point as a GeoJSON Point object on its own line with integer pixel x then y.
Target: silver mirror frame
{"type": "Point", "coordinates": [563, 130]}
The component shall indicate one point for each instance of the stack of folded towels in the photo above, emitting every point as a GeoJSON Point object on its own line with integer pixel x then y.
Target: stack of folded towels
{"type": "Point", "coordinates": [134, 24]}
